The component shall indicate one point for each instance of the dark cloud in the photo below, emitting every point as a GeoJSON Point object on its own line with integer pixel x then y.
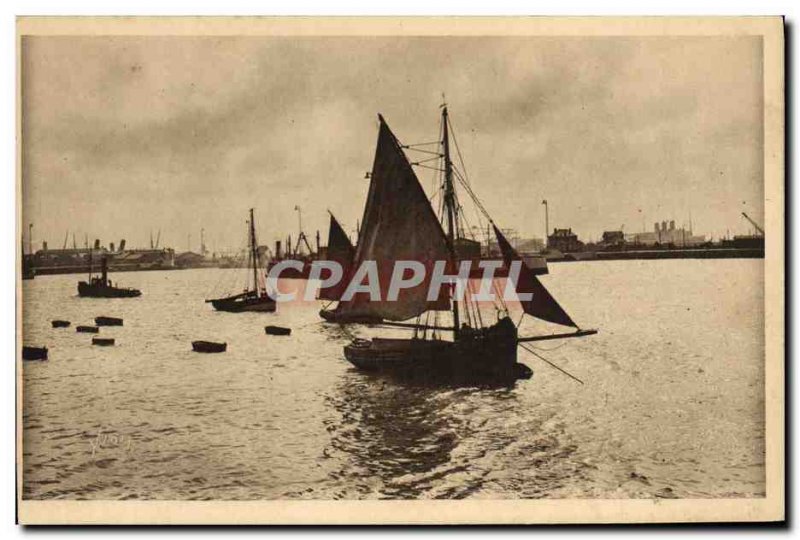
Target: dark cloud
{"type": "Point", "coordinates": [122, 135]}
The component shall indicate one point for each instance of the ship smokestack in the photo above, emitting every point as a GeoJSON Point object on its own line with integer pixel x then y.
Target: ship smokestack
{"type": "Point", "coordinates": [278, 249]}
{"type": "Point", "coordinates": [672, 224]}
{"type": "Point", "coordinates": [96, 243]}
{"type": "Point", "coordinates": [44, 246]}
{"type": "Point", "coordinates": [122, 245]}
{"type": "Point", "coordinates": [111, 246]}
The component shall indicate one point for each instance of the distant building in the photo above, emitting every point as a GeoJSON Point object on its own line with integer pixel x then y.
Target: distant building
{"type": "Point", "coordinates": [564, 240]}
{"type": "Point", "coordinates": [66, 257]}
{"type": "Point", "coordinates": [143, 259]}
{"type": "Point", "coordinates": [613, 238]}
{"type": "Point", "coordinates": [666, 234]}
{"type": "Point", "coordinates": [530, 245]}
{"type": "Point", "coordinates": [189, 259]}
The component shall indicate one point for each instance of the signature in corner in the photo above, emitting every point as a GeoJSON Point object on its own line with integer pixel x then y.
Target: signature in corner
{"type": "Point", "coordinates": [111, 440]}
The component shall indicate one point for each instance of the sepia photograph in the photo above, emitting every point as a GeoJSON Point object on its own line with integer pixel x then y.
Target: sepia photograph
{"type": "Point", "coordinates": [400, 270]}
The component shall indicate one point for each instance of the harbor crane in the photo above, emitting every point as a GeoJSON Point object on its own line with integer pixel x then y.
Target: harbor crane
{"type": "Point", "coordinates": [754, 224]}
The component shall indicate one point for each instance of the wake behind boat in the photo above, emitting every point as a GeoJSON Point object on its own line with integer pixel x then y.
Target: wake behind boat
{"type": "Point", "coordinates": [254, 297]}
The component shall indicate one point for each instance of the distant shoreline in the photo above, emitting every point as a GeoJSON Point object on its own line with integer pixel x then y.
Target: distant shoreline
{"type": "Point", "coordinates": [710, 253]}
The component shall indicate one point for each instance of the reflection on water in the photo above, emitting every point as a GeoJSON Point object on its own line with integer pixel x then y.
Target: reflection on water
{"type": "Point", "coordinates": [672, 407]}
{"type": "Point", "coordinates": [388, 432]}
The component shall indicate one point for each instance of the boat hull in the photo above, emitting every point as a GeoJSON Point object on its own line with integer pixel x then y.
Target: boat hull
{"type": "Point", "coordinates": [107, 321]}
{"type": "Point", "coordinates": [333, 316]}
{"type": "Point", "coordinates": [477, 356]}
{"type": "Point", "coordinates": [277, 331]}
{"type": "Point", "coordinates": [34, 353]}
{"type": "Point", "coordinates": [209, 347]}
{"type": "Point", "coordinates": [92, 290]}
{"type": "Point", "coordinates": [241, 303]}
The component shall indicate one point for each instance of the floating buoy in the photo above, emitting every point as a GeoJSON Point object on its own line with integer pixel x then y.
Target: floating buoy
{"type": "Point", "coordinates": [34, 353]}
{"type": "Point", "coordinates": [209, 346]}
{"type": "Point", "coordinates": [88, 329]}
{"type": "Point", "coordinates": [277, 330]}
{"type": "Point", "coordinates": [107, 321]}
{"type": "Point", "coordinates": [104, 342]}
{"type": "Point", "coordinates": [60, 324]}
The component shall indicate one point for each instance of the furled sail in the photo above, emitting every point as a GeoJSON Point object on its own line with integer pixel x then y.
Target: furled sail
{"type": "Point", "coordinates": [340, 250]}
{"type": "Point", "coordinates": [542, 305]}
{"type": "Point", "coordinates": [398, 225]}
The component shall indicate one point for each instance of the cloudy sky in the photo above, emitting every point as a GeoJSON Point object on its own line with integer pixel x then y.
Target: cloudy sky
{"type": "Point", "coordinates": [127, 135]}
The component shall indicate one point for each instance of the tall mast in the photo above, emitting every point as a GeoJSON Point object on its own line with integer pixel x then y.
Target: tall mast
{"type": "Point", "coordinates": [449, 198]}
{"type": "Point", "coordinates": [254, 251]}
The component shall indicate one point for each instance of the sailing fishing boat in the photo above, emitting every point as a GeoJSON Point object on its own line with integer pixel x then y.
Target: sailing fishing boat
{"type": "Point", "coordinates": [400, 224]}
{"type": "Point", "coordinates": [251, 299]}
{"type": "Point", "coordinates": [102, 287]}
{"type": "Point", "coordinates": [341, 250]}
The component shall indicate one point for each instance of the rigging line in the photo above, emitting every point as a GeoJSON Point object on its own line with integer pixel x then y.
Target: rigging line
{"type": "Point", "coordinates": [420, 162]}
{"type": "Point", "coordinates": [437, 154]}
{"type": "Point", "coordinates": [411, 146]}
{"type": "Point", "coordinates": [551, 348]}
{"type": "Point", "coordinates": [497, 294]}
{"type": "Point", "coordinates": [475, 303]}
{"type": "Point", "coordinates": [472, 195]}
{"type": "Point", "coordinates": [540, 357]}
{"type": "Point", "coordinates": [458, 149]}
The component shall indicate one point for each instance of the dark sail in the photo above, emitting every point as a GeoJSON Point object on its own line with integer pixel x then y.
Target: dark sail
{"type": "Point", "coordinates": [340, 250]}
{"type": "Point", "coordinates": [399, 225]}
{"type": "Point", "coordinates": [542, 305]}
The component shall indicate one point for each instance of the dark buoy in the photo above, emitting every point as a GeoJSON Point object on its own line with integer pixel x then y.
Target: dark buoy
{"type": "Point", "coordinates": [107, 321]}
{"type": "Point", "coordinates": [209, 346]}
{"type": "Point", "coordinates": [103, 342]}
{"type": "Point", "coordinates": [60, 324]}
{"type": "Point", "coordinates": [88, 329]}
{"type": "Point", "coordinates": [277, 330]}
{"type": "Point", "coordinates": [34, 353]}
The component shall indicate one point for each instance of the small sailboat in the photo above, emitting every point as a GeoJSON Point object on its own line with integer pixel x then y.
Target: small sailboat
{"type": "Point", "coordinates": [255, 297]}
{"type": "Point", "coordinates": [401, 225]}
{"type": "Point", "coordinates": [342, 251]}
{"type": "Point", "coordinates": [102, 287]}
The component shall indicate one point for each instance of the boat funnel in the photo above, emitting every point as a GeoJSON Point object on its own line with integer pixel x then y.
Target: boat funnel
{"type": "Point", "coordinates": [122, 245]}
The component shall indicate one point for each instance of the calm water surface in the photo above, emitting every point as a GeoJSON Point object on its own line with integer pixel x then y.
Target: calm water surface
{"type": "Point", "coordinates": [673, 404]}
